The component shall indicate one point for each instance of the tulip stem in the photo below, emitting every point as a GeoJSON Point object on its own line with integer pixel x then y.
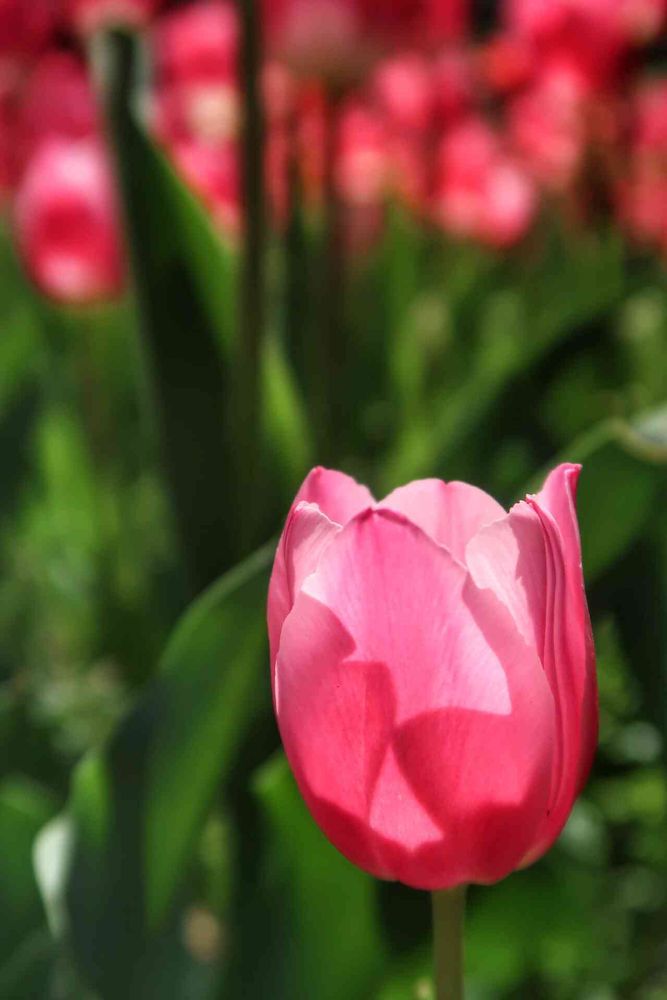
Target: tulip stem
{"type": "Point", "coordinates": [253, 272]}
{"type": "Point", "coordinates": [448, 916]}
{"type": "Point", "coordinates": [332, 304]}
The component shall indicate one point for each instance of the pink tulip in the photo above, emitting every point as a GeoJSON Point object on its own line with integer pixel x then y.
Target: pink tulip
{"type": "Point", "coordinates": [642, 191]}
{"type": "Point", "coordinates": [404, 88]}
{"type": "Point", "coordinates": [198, 42]}
{"type": "Point", "coordinates": [456, 87]}
{"type": "Point", "coordinates": [433, 673]}
{"type": "Point", "coordinates": [548, 127]}
{"type": "Point", "coordinates": [630, 20]}
{"type": "Point", "coordinates": [56, 100]}
{"type": "Point", "coordinates": [195, 51]}
{"type": "Point", "coordinates": [361, 164]}
{"type": "Point", "coordinates": [481, 193]}
{"type": "Point", "coordinates": [66, 223]}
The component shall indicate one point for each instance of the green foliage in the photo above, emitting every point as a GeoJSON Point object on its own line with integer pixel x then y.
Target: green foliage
{"type": "Point", "coordinates": [138, 802]}
{"type": "Point", "coordinates": [299, 902]}
{"type": "Point", "coordinates": [26, 949]}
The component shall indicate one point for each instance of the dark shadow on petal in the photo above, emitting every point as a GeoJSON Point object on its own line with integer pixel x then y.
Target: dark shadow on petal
{"type": "Point", "coordinates": [467, 769]}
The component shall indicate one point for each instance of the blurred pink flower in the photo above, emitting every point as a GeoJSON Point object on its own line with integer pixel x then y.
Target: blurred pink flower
{"type": "Point", "coordinates": [455, 84]}
{"type": "Point", "coordinates": [56, 100]}
{"type": "Point", "coordinates": [649, 113]}
{"type": "Point", "coordinates": [582, 37]}
{"type": "Point", "coordinates": [87, 16]}
{"type": "Point", "coordinates": [433, 673]}
{"type": "Point", "coordinates": [508, 62]}
{"type": "Point", "coordinates": [66, 222]}
{"type": "Point", "coordinates": [337, 40]}
{"type": "Point", "coordinates": [481, 193]}
{"type": "Point", "coordinates": [642, 206]}
{"type": "Point", "coordinates": [213, 173]}
{"type": "Point", "coordinates": [404, 88]}
{"type": "Point", "coordinates": [640, 20]}
{"type": "Point", "coordinates": [547, 126]}
{"type": "Point", "coordinates": [642, 190]}
{"type": "Point", "coordinates": [197, 43]}
{"type": "Point", "coordinates": [195, 51]}
{"type": "Point", "coordinates": [361, 156]}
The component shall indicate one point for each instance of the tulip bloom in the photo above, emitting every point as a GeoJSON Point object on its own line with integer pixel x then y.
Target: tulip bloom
{"type": "Point", "coordinates": [56, 101]}
{"type": "Point", "coordinates": [433, 673]}
{"type": "Point", "coordinates": [66, 223]}
{"type": "Point", "coordinates": [195, 52]}
{"type": "Point", "coordinates": [481, 192]}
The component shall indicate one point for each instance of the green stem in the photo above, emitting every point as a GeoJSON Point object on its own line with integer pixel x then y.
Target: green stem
{"type": "Point", "coordinates": [332, 331]}
{"type": "Point", "coordinates": [448, 916]}
{"type": "Point", "coordinates": [251, 318]}
{"type": "Point", "coordinates": [297, 297]}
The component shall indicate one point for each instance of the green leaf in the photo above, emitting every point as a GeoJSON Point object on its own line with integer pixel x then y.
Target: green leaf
{"type": "Point", "coordinates": [286, 429]}
{"type": "Point", "coordinates": [25, 948]}
{"type": "Point", "coordinates": [516, 325]}
{"type": "Point", "coordinates": [138, 803]}
{"type": "Point", "coordinates": [183, 289]}
{"type": "Point", "coordinates": [641, 617]}
{"type": "Point", "coordinates": [186, 283]}
{"type": "Point", "coordinates": [211, 671]}
{"type": "Point", "coordinates": [308, 926]}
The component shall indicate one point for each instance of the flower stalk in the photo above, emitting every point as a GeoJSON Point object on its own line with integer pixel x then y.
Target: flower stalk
{"type": "Point", "coordinates": [448, 919]}
{"type": "Point", "coordinates": [253, 271]}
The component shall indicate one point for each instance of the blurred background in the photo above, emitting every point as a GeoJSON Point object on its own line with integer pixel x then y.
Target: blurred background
{"type": "Point", "coordinates": [404, 239]}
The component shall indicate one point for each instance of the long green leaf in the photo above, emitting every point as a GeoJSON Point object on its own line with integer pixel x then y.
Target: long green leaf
{"type": "Point", "coordinates": [310, 914]}
{"type": "Point", "coordinates": [138, 803]}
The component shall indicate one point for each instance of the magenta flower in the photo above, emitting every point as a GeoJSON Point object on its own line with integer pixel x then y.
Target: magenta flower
{"type": "Point", "coordinates": [433, 673]}
{"type": "Point", "coordinates": [66, 223]}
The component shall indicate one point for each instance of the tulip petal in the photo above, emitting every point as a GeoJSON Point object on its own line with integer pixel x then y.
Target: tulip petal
{"type": "Point", "coordinates": [555, 504]}
{"type": "Point", "coordinates": [450, 513]}
{"type": "Point", "coordinates": [508, 557]}
{"type": "Point", "coordinates": [388, 648]}
{"type": "Point", "coordinates": [531, 560]}
{"type": "Point", "coordinates": [339, 496]}
{"type": "Point", "coordinates": [307, 533]}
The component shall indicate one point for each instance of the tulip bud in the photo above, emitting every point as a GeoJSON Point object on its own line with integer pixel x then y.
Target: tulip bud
{"type": "Point", "coordinates": [433, 673]}
{"type": "Point", "coordinates": [66, 223]}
